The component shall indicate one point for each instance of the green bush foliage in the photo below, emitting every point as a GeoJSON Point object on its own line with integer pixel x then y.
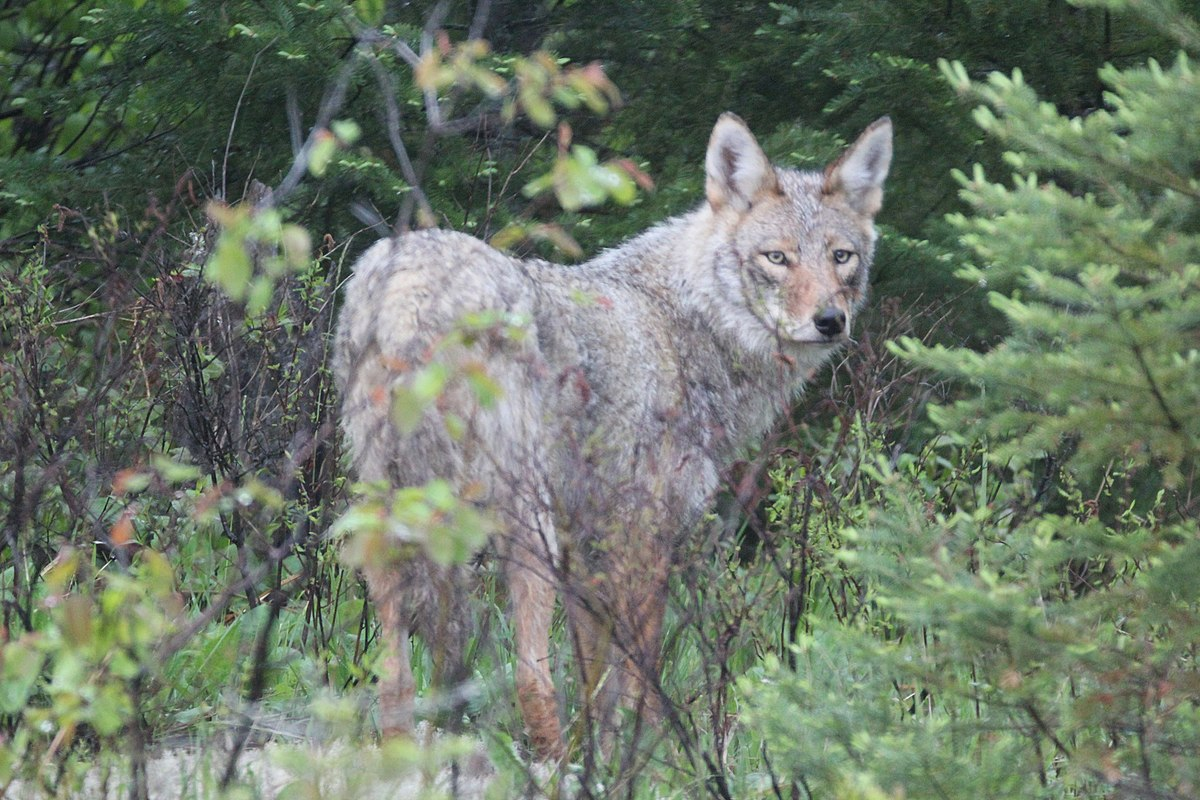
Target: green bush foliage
{"type": "Point", "coordinates": [998, 599]}
{"type": "Point", "coordinates": [1034, 597]}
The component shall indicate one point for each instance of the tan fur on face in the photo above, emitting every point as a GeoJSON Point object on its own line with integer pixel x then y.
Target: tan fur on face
{"type": "Point", "coordinates": [802, 295]}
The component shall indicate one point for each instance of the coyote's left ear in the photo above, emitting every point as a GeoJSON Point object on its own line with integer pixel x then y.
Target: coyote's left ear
{"type": "Point", "coordinates": [737, 171]}
{"type": "Point", "coordinates": [858, 174]}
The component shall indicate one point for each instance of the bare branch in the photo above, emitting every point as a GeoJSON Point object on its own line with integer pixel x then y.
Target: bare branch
{"type": "Point", "coordinates": [387, 89]}
{"type": "Point", "coordinates": [295, 122]}
{"type": "Point", "coordinates": [432, 109]}
{"type": "Point", "coordinates": [405, 52]}
{"type": "Point", "coordinates": [369, 215]}
{"type": "Point", "coordinates": [480, 20]}
{"type": "Point", "coordinates": [330, 105]}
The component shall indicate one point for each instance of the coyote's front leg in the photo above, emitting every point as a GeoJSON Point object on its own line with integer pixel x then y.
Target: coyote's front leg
{"type": "Point", "coordinates": [640, 603]}
{"type": "Point", "coordinates": [616, 619]}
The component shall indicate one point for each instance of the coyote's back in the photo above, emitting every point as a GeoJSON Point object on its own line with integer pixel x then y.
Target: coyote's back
{"type": "Point", "coordinates": [614, 394]}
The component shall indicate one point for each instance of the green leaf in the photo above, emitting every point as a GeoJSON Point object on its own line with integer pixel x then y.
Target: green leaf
{"type": "Point", "coordinates": [229, 267]}
{"type": "Point", "coordinates": [347, 131]}
{"type": "Point", "coordinates": [174, 471]}
{"type": "Point", "coordinates": [407, 409]}
{"type": "Point", "coordinates": [486, 390]}
{"type": "Point", "coordinates": [321, 152]}
{"type": "Point", "coordinates": [20, 670]}
{"type": "Point", "coordinates": [258, 298]}
{"type": "Point", "coordinates": [76, 614]}
{"type": "Point", "coordinates": [297, 245]}
{"type": "Point", "coordinates": [537, 108]}
{"type": "Point", "coordinates": [370, 11]}
{"type": "Point", "coordinates": [429, 383]}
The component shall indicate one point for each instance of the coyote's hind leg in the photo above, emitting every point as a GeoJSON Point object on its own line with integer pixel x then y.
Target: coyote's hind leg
{"type": "Point", "coordinates": [397, 688]}
{"type": "Point", "coordinates": [529, 573]}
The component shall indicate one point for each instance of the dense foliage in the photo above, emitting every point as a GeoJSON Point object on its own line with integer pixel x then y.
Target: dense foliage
{"type": "Point", "coordinates": [999, 598]}
{"type": "Point", "coordinates": [1034, 606]}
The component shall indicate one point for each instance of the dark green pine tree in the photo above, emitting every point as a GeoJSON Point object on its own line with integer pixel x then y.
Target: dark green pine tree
{"type": "Point", "coordinates": [1032, 623]}
{"type": "Point", "coordinates": [1093, 257]}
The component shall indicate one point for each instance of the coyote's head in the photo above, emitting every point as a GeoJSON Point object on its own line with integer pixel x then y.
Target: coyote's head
{"type": "Point", "coordinates": [793, 248]}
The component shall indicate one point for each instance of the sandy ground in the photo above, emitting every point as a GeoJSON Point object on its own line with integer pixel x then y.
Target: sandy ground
{"type": "Point", "coordinates": [267, 772]}
{"type": "Point", "coordinates": [397, 771]}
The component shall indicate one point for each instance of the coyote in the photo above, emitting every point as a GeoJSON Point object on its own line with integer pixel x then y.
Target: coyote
{"type": "Point", "coordinates": [623, 386]}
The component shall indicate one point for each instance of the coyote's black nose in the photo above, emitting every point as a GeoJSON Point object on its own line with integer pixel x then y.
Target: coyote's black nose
{"type": "Point", "coordinates": [830, 321]}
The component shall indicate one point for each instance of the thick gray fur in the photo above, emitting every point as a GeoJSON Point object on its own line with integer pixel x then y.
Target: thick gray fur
{"type": "Point", "coordinates": [627, 384]}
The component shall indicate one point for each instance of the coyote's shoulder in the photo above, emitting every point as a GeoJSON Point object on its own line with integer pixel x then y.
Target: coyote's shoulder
{"type": "Point", "coordinates": [623, 384]}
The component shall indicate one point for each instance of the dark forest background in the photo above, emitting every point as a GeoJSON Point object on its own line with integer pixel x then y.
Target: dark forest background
{"type": "Point", "coordinates": [969, 566]}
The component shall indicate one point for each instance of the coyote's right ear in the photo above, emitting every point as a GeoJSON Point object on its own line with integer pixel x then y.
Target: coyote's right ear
{"type": "Point", "coordinates": [738, 170]}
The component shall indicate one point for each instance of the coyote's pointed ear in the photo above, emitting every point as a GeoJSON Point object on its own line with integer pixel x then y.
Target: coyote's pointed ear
{"type": "Point", "coordinates": [858, 174]}
{"type": "Point", "coordinates": [738, 170]}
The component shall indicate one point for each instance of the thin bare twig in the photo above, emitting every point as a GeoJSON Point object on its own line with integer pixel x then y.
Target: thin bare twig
{"type": "Point", "coordinates": [237, 108]}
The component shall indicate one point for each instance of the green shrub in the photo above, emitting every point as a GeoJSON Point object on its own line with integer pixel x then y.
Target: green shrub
{"type": "Point", "coordinates": [1034, 575]}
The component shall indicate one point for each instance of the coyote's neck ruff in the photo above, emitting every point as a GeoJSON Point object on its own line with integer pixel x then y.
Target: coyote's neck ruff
{"type": "Point", "coordinates": [622, 387]}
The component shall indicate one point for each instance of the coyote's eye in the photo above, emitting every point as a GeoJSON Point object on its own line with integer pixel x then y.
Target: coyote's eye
{"type": "Point", "coordinates": [842, 256]}
{"type": "Point", "coordinates": [776, 257]}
